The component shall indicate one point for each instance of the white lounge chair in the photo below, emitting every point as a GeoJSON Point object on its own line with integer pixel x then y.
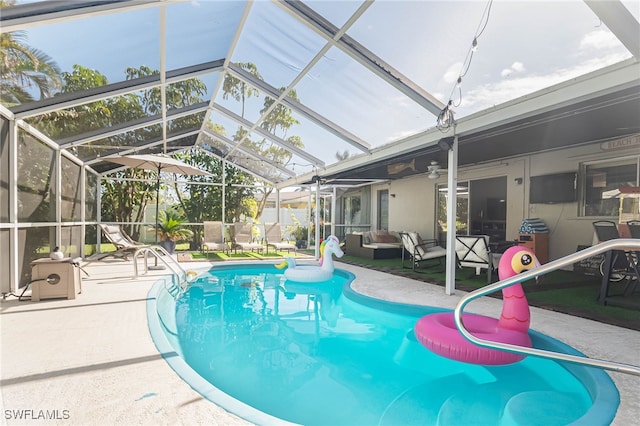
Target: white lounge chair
{"type": "Point", "coordinates": [420, 250]}
{"type": "Point", "coordinates": [473, 251]}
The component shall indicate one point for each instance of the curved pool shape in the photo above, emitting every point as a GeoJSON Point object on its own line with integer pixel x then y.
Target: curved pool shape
{"type": "Point", "coordinates": [272, 351]}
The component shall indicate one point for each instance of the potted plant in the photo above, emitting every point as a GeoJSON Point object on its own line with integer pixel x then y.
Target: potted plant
{"type": "Point", "coordinates": [171, 229]}
{"type": "Point", "coordinates": [300, 234]}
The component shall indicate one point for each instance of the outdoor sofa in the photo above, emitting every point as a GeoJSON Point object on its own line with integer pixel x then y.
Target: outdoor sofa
{"type": "Point", "coordinates": [374, 245]}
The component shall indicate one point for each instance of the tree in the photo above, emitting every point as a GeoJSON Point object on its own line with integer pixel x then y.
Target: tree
{"type": "Point", "coordinates": [238, 89]}
{"type": "Point", "coordinates": [277, 122]}
{"type": "Point", "coordinates": [202, 201]}
{"type": "Point", "coordinates": [24, 69]}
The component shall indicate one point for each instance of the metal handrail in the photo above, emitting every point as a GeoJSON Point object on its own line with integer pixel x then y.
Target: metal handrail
{"type": "Point", "coordinates": [180, 273]}
{"type": "Point", "coordinates": [617, 244]}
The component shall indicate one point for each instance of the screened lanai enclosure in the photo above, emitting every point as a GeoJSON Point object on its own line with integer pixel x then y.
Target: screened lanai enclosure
{"type": "Point", "coordinates": [288, 105]}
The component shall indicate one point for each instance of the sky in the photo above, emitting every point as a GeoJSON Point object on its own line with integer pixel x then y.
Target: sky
{"type": "Point", "coordinates": [522, 47]}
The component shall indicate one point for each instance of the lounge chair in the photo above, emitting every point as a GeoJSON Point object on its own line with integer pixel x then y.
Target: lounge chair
{"type": "Point", "coordinates": [273, 238]}
{"type": "Point", "coordinates": [125, 245]}
{"type": "Point", "coordinates": [214, 237]}
{"type": "Point", "coordinates": [243, 238]}
{"type": "Point", "coordinates": [419, 250]}
{"type": "Point", "coordinates": [472, 251]}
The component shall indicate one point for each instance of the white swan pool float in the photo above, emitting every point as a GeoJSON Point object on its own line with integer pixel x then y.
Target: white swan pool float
{"type": "Point", "coordinates": [312, 273]}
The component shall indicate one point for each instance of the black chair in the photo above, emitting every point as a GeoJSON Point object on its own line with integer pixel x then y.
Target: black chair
{"type": "Point", "coordinates": [618, 265]}
{"type": "Point", "coordinates": [606, 230]}
{"type": "Point", "coordinates": [634, 228]}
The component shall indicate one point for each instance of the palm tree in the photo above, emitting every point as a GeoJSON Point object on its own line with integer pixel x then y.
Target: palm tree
{"type": "Point", "coordinates": [23, 68]}
{"type": "Point", "coordinates": [342, 155]}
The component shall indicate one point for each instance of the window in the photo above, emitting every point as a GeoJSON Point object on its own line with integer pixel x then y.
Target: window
{"type": "Point", "coordinates": [352, 210]}
{"type": "Point", "coordinates": [383, 209]}
{"type": "Point", "coordinates": [601, 183]}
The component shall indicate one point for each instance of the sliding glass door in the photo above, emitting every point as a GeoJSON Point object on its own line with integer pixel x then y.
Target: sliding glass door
{"type": "Point", "coordinates": [462, 211]}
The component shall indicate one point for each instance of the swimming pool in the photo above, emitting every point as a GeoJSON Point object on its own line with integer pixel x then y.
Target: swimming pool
{"type": "Point", "coordinates": [273, 351]}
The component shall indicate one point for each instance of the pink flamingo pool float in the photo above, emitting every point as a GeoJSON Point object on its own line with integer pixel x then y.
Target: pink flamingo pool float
{"type": "Point", "coordinates": [438, 332]}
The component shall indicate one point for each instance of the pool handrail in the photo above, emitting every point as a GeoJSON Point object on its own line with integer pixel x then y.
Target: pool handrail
{"type": "Point", "coordinates": [177, 270]}
{"type": "Point", "coordinates": [616, 244]}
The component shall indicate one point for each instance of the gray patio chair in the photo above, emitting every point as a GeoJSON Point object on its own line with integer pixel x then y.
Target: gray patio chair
{"type": "Point", "coordinates": [214, 237]}
{"type": "Point", "coordinates": [273, 238]}
{"type": "Point", "coordinates": [243, 238]}
{"type": "Point", "coordinates": [419, 250]}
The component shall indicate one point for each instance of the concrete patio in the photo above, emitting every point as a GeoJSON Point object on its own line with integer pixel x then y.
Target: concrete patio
{"type": "Point", "coordinates": [91, 360]}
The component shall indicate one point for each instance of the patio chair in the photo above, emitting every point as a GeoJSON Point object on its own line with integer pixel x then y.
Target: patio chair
{"type": "Point", "coordinates": [606, 230]}
{"type": "Point", "coordinates": [618, 265]}
{"type": "Point", "coordinates": [273, 238]}
{"type": "Point", "coordinates": [214, 237]}
{"type": "Point", "coordinates": [634, 228]}
{"type": "Point", "coordinates": [420, 250]}
{"type": "Point", "coordinates": [243, 238]}
{"type": "Point", "coordinates": [472, 251]}
{"type": "Point", "coordinates": [125, 245]}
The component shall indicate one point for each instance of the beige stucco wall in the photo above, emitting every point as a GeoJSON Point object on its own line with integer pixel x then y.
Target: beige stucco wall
{"type": "Point", "coordinates": [413, 207]}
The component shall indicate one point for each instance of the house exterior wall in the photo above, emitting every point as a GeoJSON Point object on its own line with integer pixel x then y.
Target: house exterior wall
{"type": "Point", "coordinates": [414, 205]}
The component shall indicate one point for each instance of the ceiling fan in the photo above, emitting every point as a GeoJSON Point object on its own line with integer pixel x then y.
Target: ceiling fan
{"type": "Point", "coordinates": [434, 170]}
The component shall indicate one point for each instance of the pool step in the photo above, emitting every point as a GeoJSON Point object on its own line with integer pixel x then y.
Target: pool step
{"type": "Point", "coordinates": [419, 404]}
{"type": "Point", "coordinates": [543, 408]}
{"type": "Point", "coordinates": [173, 290]}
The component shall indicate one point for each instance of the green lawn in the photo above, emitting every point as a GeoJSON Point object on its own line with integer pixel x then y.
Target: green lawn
{"type": "Point", "coordinates": [247, 255]}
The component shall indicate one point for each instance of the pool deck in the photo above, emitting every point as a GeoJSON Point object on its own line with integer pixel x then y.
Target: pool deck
{"type": "Point", "coordinates": [91, 360]}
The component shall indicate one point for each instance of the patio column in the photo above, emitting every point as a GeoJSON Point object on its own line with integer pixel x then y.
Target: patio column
{"type": "Point", "coordinates": [58, 198]}
{"type": "Point", "coordinates": [452, 194]}
{"type": "Point", "coordinates": [224, 190]}
{"type": "Point", "coordinates": [334, 197]}
{"type": "Point", "coordinates": [317, 220]}
{"type": "Point", "coordinates": [278, 215]}
{"type": "Point", "coordinates": [14, 261]}
{"type": "Point", "coordinates": [99, 215]}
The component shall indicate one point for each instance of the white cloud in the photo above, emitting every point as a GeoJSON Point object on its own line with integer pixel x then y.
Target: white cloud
{"type": "Point", "coordinates": [598, 40]}
{"type": "Point", "coordinates": [452, 73]}
{"type": "Point", "coordinates": [488, 95]}
{"type": "Point", "coordinates": [516, 67]}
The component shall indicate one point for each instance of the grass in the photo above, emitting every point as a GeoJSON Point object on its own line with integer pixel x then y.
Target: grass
{"type": "Point", "coordinates": [219, 256]}
{"type": "Point", "coordinates": [562, 291]}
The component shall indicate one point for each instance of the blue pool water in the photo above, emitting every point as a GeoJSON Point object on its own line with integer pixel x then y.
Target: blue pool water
{"type": "Point", "coordinates": [268, 349]}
